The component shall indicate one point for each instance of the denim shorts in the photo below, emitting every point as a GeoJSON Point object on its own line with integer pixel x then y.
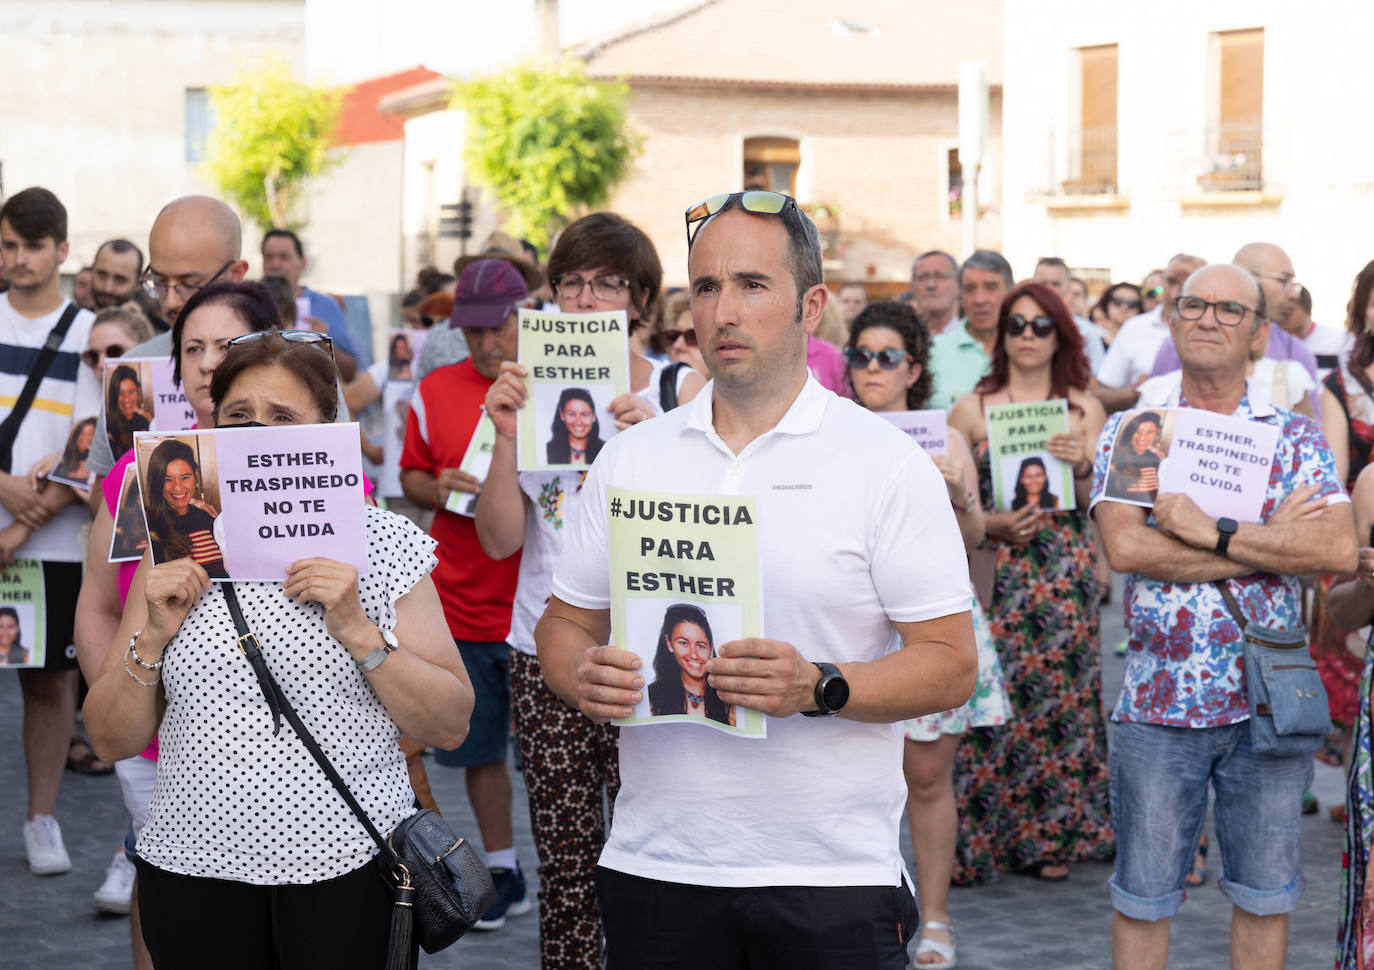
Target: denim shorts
{"type": "Point", "coordinates": [488, 666]}
{"type": "Point", "coordinates": [1159, 808]}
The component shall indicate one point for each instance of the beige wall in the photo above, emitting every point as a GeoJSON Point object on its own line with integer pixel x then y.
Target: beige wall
{"type": "Point", "coordinates": [879, 158]}
{"type": "Point", "coordinates": [93, 103]}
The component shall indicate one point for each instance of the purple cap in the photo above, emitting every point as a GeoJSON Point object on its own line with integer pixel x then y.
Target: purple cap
{"type": "Point", "coordinates": [488, 292]}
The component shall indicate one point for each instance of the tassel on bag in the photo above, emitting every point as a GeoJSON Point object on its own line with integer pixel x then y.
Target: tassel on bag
{"type": "Point", "coordinates": [401, 953]}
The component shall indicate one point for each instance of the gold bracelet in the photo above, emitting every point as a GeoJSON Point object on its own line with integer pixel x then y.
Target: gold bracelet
{"type": "Point", "coordinates": [145, 683]}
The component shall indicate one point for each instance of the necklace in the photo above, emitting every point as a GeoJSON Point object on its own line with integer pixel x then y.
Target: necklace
{"type": "Point", "coordinates": [579, 453]}
{"type": "Point", "coordinates": [694, 700]}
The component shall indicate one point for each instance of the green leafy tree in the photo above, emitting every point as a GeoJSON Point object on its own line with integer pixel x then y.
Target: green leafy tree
{"type": "Point", "coordinates": [272, 133]}
{"type": "Point", "coordinates": [550, 142]}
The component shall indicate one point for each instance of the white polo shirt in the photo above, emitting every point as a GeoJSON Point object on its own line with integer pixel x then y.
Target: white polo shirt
{"type": "Point", "coordinates": [855, 532]}
{"type": "Point", "coordinates": [1132, 354]}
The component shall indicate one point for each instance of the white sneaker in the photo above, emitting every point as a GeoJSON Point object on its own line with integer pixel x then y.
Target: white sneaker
{"type": "Point", "coordinates": [116, 893]}
{"type": "Point", "coordinates": [43, 846]}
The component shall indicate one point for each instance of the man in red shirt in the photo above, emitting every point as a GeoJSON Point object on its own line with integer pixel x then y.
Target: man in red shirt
{"type": "Point", "coordinates": [476, 591]}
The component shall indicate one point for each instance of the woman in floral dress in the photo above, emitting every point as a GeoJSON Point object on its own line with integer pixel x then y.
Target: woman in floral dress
{"type": "Point", "coordinates": [1034, 795]}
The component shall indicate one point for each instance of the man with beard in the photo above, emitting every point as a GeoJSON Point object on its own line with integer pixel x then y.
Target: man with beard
{"type": "Point", "coordinates": [115, 273]}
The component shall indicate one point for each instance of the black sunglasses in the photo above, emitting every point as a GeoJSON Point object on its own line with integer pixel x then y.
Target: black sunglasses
{"type": "Point", "coordinates": [760, 201]}
{"type": "Point", "coordinates": [889, 359]}
{"type": "Point", "coordinates": [688, 334]}
{"type": "Point", "coordinates": [91, 357]}
{"type": "Point", "coordinates": [1015, 325]}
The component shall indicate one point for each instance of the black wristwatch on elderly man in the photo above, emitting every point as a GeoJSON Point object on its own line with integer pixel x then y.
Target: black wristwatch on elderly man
{"type": "Point", "coordinates": [1226, 528]}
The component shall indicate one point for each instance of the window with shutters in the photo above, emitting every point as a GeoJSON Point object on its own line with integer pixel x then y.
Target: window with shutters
{"type": "Point", "coordinates": [771, 163]}
{"type": "Point", "coordinates": [1092, 145]}
{"type": "Point", "coordinates": [1234, 132]}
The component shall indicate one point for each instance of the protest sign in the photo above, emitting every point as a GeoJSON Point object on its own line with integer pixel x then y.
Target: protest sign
{"type": "Point", "coordinates": [71, 467]}
{"type": "Point", "coordinates": [245, 503]}
{"type": "Point", "coordinates": [476, 462]}
{"type": "Point", "coordinates": [1220, 462]}
{"type": "Point", "coordinates": [403, 353]}
{"type": "Point", "coordinates": [23, 623]}
{"type": "Point", "coordinates": [396, 397]}
{"type": "Point", "coordinates": [578, 363]}
{"type": "Point", "coordinates": [1141, 445]}
{"type": "Point", "coordinates": [1023, 470]}
{"type": "Point", "coordinates": [129, 538]}
{"type": "Point", "coordinates": [929, 429]}
{"type": "Point", "coordinates": [685, 577]}
{"type": "Point", "coordinates": [141, 395]}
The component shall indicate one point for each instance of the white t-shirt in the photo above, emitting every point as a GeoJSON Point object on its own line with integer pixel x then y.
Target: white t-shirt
{"type": "Point", "coordinates": [1327, 345]}
{"type": "Point", "coordinates": [1132, 354]}
{"type": "Point", "coordinates": [68, 393]}
{"type": "Point", "coordinates": [855, 533]}
{"type": "Point", "coordinates": [1283, 383]}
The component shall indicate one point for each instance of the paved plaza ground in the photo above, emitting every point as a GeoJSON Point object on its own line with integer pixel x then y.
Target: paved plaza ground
{"type": "Point", "coordinates": [1017, 923]}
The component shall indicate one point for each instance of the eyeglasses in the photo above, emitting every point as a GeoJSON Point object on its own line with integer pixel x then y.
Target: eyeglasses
{"type": "Point", "coordinates": [1286, 281]}
{"type": "Point", "coordinates": [90, 356]}
{"type": "Point", "coordinates": [1126, 301]}
{"type": "Point", "coordinates": [158, 290]}
{"type": "Point", "coordinates": [1228, 313]}
{"type": "Point", "coordinates": [295, 336]}
{"type": "Point", "coordinates": [569, 286]}
{"type": "Point", "coordinates": [1015, 325]}
{"type": "Point", "coordinates": [889, 359]}
{"type": "Point", "coordinates": [758, 201]}
{"type": "Point", "coordinates": [670, 337]}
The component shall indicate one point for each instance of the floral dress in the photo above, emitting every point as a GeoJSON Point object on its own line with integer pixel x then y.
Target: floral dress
{"type": "Point", "coordinates": [1037, 790]}
{"type": "Point", "coordinates": [1355, 931]}
{"type": "Point", "coordinates": [986, 707]}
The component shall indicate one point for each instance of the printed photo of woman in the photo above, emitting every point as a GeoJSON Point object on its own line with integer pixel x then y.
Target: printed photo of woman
{"type": "Point", "coordinates": [71, 469]}
{"type": "Point", "coordinates": [180, 520]}
{"type": "Point", "coordinates": [12, 652]}
{"type": "Point", "coordinates": [576, 429]}
{"type": "Point", "coordinates": [1134, 470]}
{"type": "Point", "coordinates": [1033, 486]}
{"type": "Point", "coordinates": [125, 409]}
{"type": "Point", "coordinates": [680, 687]}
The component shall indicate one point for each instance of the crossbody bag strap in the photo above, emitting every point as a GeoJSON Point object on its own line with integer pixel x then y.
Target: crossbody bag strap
{"type": "Point", "coordinates": [9, 428]}
{"type": "Point", "coordinates": [1232, 604]}
{"type": "Point", "coordinates": [281, 707]}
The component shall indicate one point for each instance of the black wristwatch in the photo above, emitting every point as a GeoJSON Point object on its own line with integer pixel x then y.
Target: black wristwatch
{"type": "Point", "coordinates": [832, 692]}
{"type": "Point", "coordinates": [1226, 528]}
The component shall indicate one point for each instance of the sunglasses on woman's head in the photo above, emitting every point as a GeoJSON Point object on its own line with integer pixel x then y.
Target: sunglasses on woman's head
{"type": "Point", "coordinates": [688, 334]}
{"type": "Point", "coordinates": [889, 359]}
{"type": "Point", "coordinates": [90, 356]}
{"type": "Point", "coordinates": [1015, 325]}
{"type": "Point", "coordinates": [295, 336]}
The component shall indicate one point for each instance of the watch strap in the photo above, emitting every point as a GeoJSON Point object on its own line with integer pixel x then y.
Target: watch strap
{"type": "Point", "coordinates": [828, 672]}
{"type": "Point", "coordinates": [374, 659]}
{"type": "Point", "coordinates": [1224, 535]}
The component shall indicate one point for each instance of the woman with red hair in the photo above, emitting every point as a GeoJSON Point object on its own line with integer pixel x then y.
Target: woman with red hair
{"type": "Point", "coordinates": [1041, 799]}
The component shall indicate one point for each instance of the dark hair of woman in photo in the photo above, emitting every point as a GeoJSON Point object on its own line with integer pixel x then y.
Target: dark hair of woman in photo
{"type": "Point", "coordinates": [12, 650]}
{"type": "Point", "coordinates": [1022, 496]}
{"type": "Point", "coordinates": [122, 415]}
{"type": "Point", "coordinates": [399, 358]}
{"type": "Point", "coordinates": [1135, 468]}
{"type": "Point", "coordinates": [669, 693]}
{"type": "Point", "coordinates": [575, 405]}
{"type": "Point", "coordinates": [179, 524]}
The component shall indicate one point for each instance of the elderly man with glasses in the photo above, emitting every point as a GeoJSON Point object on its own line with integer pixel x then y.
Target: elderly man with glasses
{"type": "Point", "coordinates": [1183, 718]}
{"type": "Point", "coordinates": [782, 849]}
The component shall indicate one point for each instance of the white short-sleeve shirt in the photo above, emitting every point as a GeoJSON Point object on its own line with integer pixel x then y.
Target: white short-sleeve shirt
{"type": "Point", "coordinates": [855, 532]}
{"type": "Point", "coordinates": [1132, 354]}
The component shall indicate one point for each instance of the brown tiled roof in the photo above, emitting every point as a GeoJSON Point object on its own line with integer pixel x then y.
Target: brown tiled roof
{"type": "Point", "coordinates": [807, 43]}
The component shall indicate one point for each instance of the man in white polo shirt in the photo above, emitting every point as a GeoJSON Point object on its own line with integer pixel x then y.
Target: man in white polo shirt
{"type": "Point", "coordinates": [779, 852]}
{"type": "Point", "coordinates": [1131, 357]}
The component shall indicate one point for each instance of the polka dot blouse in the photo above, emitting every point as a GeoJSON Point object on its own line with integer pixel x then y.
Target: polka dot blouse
{"type": "Point", "coordinates": [233, 802]}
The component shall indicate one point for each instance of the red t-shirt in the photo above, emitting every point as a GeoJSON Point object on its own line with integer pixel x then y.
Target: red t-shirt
{"type": "Point", "coordinates": [476, 591]}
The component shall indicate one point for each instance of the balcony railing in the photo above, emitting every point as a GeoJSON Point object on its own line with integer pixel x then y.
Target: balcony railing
{"type": "Point", "coordinates": [1232, 158]}
{"type": "Point", "coordinates": [1090, 162]}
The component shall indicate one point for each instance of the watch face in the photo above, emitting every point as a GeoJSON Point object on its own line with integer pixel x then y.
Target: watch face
{"type": "Point", "coordinates": [835, 693]}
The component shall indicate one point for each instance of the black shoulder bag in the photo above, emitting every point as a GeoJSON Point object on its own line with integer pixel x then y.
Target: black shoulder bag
{"type": "Point", "coordinates": [437, 876]}
{"type": "Point", "coordinates": [667, 386]}
{"type": "Point", "coordinates": [9, 428]}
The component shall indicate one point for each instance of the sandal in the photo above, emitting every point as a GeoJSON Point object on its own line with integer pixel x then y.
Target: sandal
{"type": "Point", "coordinates": [1036, 870]}
{"type": "Point", "coordinates": [1198, 876]}
{"type": "Point", "coordinates": [945, 951]}
{"type": "Point", "coordinates": [88, 763]}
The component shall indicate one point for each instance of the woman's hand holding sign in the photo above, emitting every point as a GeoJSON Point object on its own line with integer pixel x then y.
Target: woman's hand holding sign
{"type": "Point", "coordinates": [170, 591]}
{"type": "Point", "coordinates": [1018, 527]}
{"type": "Point", "coordinates": [334, 585]}
{"type": "Point", "coordinates": [506, 396]}
{"type": "Point", "coordinates": [630, 409]}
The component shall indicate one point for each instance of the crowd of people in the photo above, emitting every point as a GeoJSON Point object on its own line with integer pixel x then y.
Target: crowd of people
{"type": "Point", "coordinates": [926, 648]}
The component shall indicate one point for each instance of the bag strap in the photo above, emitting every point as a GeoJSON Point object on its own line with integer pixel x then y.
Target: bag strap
{"type": "Point", "coordinates": [1232, 604]}
{"type": "Point", "coordinates": [667, 386]}
{"type": "Point", "coordinates": [9, 429]}
{"type": "Point", "coordinates": [280, 706]}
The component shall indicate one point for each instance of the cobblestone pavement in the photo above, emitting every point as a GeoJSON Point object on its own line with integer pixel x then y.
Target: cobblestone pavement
{"type": "Point", "coordinates": [1016, 923]}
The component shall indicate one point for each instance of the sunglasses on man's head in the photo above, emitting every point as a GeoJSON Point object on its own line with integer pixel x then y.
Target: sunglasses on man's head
{"type": "Point", "coordinates": [889, 359]}
{"type": "Point", "coordinates": [688, 334]}
{"type": "Point", "coordinates": [1015, 325]}
{"type": "Point", "coordinates": [759, 201]}
{"type": "Point", "coordinates": [90, 357]}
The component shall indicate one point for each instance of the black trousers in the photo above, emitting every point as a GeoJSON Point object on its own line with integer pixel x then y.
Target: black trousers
{"type": "Point", "coordinates": [653, 925]}
{"type": "Point", "coordinates": [208, 924]}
